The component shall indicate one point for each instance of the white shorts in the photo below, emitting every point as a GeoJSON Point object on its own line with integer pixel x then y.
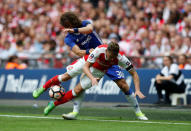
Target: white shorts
{"type": "Point", "coordinates": [85, 82]}
{"type": "Point", "coordinates": [76, 67]}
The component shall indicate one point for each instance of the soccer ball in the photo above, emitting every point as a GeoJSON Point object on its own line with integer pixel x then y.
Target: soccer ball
{"type": "Point", "coordinates": [56, 92]}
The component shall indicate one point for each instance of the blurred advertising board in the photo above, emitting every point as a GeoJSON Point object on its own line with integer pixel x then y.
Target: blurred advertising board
{"type": "Point", "coordinates": [19, 84]}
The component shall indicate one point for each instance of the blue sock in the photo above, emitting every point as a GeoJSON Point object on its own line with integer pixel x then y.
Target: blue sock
{"type": "Point", "coordinates": [129, 92]}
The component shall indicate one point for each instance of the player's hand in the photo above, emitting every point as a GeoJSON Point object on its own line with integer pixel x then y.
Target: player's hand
{"type": "Point", "coordinates": [139, 94]}
{"type": "Point", "coordinates": [68, 30]}
{"type": "Point", "coordinates": [94, 82]}
{"type": "Point", "coordinates": [90, 51]}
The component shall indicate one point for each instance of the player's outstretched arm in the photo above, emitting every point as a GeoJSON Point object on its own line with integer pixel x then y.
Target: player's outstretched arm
{"type": "Point", "coordinates": [87, 71]}
{"type": "Point", "coordinates": [86, 30]}
{"type": "Point", "coordinates": [83, 30]}
{"type": "Point", "coordinates": [136, 83]}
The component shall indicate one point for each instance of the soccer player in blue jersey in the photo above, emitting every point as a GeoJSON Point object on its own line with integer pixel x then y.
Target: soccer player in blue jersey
{"type": "Point", "coordinates": [82, 39]}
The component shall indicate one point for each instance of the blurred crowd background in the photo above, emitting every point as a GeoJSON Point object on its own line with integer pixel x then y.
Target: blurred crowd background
{"type": "Point", "coordinates": [146, 30]}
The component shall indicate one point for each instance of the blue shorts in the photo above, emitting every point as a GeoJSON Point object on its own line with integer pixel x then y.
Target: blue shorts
{"type": "Point", "coordinates": [115, 73]}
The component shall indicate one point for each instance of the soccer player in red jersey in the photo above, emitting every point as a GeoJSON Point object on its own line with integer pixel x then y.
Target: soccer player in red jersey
{"type": "Point", "coordinates": [95, 66]}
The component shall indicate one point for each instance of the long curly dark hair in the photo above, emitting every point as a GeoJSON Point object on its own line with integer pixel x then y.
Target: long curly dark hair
{"type": "Point", "coordinates": [70, 20]}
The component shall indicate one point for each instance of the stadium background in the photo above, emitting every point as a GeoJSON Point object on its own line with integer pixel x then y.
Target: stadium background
{"type": "Point", "coordinates": [146, 30]}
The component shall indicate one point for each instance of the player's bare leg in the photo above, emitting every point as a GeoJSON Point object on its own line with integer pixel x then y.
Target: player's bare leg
{"type": "Point", "coordinates": [56, 80]}
{"type": "Point", "coordinates": [131, 98]}
{"type": "Point", "coordinates": [67, 97]}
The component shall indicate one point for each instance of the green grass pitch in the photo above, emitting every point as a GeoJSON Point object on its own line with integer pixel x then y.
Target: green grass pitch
{"type": "Point", "coordinates": [25, 118]}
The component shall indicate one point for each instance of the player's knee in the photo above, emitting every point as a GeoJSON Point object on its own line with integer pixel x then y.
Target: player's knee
{"type": "Point", "coordinates": [65, 77]}
{"type": "Point", "coordinates": [78, 90]}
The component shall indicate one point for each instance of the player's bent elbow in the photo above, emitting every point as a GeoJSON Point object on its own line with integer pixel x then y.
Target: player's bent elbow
{"type": "Point", "coordinates": [89, 30]}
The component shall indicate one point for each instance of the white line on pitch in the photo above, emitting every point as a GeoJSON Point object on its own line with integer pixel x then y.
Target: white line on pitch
{"type": "Point", "coordinates": [148, 122]}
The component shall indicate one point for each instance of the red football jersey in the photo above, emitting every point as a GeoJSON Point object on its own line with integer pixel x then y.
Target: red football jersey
{"type": "Point", "coordinates": [98, 57]}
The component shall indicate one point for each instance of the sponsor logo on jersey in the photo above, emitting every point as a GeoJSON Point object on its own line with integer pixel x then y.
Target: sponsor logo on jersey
{"type": "Point", "coordinates": [87, 40]}
{"type": "Point", "coordinates": [102, 63]}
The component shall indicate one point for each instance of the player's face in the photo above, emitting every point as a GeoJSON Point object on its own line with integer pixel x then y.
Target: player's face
{"type": "Point", "coordinates": [110, 56]}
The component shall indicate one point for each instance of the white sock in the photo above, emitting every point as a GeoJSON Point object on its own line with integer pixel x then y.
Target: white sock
{"type": "Point", "coordinates": [77, 102]}
{"type": "Point", "coordinates": [60, 78]}
{"type": "Point", "coordinates": [74, 93]}
{"type": "Point", "coordinates": [133, 101]}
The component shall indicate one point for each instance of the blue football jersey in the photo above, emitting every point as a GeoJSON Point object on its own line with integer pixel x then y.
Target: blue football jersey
{"type": "Point", "coordinates": [84, 41]}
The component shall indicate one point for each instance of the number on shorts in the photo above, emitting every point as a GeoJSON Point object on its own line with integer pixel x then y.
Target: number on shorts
{"type": "Point", "coordinates": [120, 74]}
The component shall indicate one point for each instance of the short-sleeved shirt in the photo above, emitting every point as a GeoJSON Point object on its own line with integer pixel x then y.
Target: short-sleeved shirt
{"type": "Point", "coordinates": [173, 70]}
{"type": "Point", "coordinates": [84, 41]}
{"type": "Point", "coordinates": [99, 60]}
